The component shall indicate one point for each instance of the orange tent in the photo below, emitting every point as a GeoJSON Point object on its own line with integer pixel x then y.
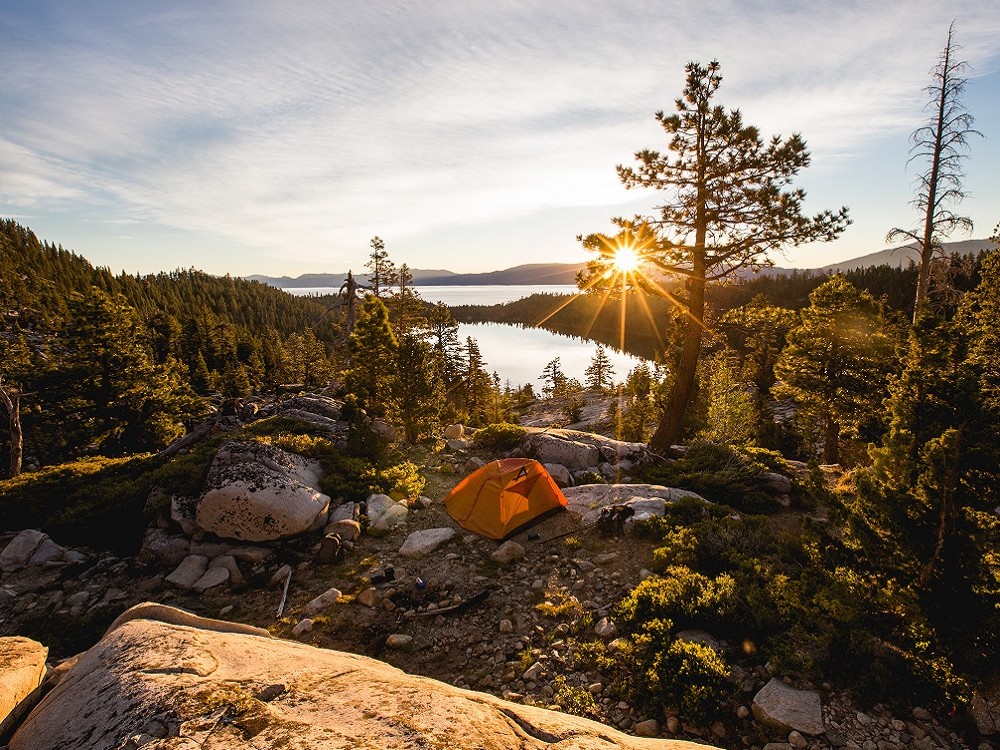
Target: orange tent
{"type": "Point", "coordinates": [503, 497]}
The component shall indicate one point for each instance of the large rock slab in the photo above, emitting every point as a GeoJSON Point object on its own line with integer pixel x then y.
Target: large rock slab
{"type": "Point", "coordinates": [256, 492]}
{"type": "Point", "coordinates": [22, 667]}
{"type": "Point", "coordinates": [282, 694]}
{"type": "Point", "coordinates": [550, 448]}
{"type": "Point", "coordinates": [787, 708]}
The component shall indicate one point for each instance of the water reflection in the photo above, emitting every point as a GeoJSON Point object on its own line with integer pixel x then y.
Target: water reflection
{"type": "Point", "coordinates": [520, 354]}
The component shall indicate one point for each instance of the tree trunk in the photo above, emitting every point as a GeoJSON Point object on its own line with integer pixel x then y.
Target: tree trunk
{"type": "Point", "coordinates": [927, 244]}
{"type": "Point", "coordinates": [671, 424]}
{"type": "Point", "coordinates": [831, 440]}
{"type": "Point", "coordinates": [12, 402]}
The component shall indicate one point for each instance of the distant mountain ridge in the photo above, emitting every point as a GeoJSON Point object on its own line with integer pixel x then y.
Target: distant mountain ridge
{"type": "Point", "coordinates": [528, 274]}
{"type": "Point", "coordinates": [565, 273]}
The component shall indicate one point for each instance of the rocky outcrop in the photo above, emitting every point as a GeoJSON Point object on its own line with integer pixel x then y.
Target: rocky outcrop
{"type": "Point", "coordinates": [149, 680]}
{"type": "Point", "coordinates": [550, 448]}
{"type": "Point", "coordinates": [22, 667]}
{"type": "Point", "coordinates": [256, 492]}
{"type": "Point", "coordinates": [985, 711]}
{"type": "Point", "coordinates": [32, 547]}
{"type": "Point", "coordinates": [787, 708]}
{"type": "Point", "coordinates": [646, 499]}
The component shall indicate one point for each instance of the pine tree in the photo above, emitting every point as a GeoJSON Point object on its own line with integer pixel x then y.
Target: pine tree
{"type": "Point", "coordinates": [443, 331]}
{"type": "Point", "coordinates": [406, 305]}
{"type": "Point", "coordinates": [732, 416]}
{"type": "Point", "coordinates": [836, 362]}
{"type": "Point", "coordinates": [553, 378]}
{"type": "Point", "coordinates": [475, 387]}
{"type": "Point", "coordinates": [600, 373]}
{"type": "Point", "coordinates": [418, 397]}
{"type": "Point", "coordinates": [727, 207]}
{"type": "Point", "coordinates": [103, 386]}
{"type": "Point", "coordinates": [925, 512]}
{"type": "Point", "coordinates": [383, 274]}
{"type": "Point", "coordinates": [372, 346]}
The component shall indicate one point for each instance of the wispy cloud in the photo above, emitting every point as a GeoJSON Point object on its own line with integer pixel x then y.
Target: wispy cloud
{"type": "Point", "coordinates": [304, 128]}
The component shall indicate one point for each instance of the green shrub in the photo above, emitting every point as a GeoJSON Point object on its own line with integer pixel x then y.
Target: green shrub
{"type": "Point", "coordinates": [692, 677]}
{"type": "Point", "coordinates": [687, 598]}
{"type": "Point", "coordinates": [679, 548]}
{"type": "Point", "coordinates": [574, 700]}
{"type": "Point", "coordinates": [399, 481]}
{"type": "Point", "coordinates": [500, 436]}
{"type": "Point", "coordinates": [720, 473]}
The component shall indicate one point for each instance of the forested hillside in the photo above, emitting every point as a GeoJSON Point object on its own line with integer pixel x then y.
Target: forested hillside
{"type": "Point", "coordinates": [117, 363]}
{"type": "Point", "coordinates": [97, 363]}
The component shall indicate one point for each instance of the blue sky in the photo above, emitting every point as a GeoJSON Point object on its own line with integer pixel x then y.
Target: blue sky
{"type": "Point", "coordinates": [242, 136]}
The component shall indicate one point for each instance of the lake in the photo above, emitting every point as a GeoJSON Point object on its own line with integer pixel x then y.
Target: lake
{"type": "Point", "coordinates": [516, 354]}
{"type": "Point", "coordinates": [520, 354]}
{"type": "Point", "coordinates": [464, 295]}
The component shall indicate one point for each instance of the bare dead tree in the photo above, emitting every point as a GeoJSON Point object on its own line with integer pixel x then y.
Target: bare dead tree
{"type": "Point", "coordinates": [942, 144]}
{"type": "Point", "coordinates": [11, 400]}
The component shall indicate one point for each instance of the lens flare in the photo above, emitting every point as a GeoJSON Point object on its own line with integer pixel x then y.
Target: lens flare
{"type": "Point", "coordinates": [626, 259]}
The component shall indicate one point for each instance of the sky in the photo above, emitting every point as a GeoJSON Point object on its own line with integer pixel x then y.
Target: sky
{"type": "Point", "coordinates": [249, 136]}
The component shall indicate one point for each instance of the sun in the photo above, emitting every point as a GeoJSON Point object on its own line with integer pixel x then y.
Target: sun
{"type": "Point", "coordinates": [626, 259]}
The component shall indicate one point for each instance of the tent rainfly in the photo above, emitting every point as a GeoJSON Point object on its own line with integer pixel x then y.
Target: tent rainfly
{"type": "Point", "coordinates": [503, 497]}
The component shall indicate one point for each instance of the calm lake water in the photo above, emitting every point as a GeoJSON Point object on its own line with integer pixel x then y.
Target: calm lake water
{"type": "Point", "coordinates": [516, 354]}
{"type": "Point", "coordinates": [520, 354]}
{"type": "Point", "coordinates": [465, 295]}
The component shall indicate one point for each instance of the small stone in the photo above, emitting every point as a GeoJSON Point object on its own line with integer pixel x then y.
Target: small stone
{"type": "Point", "coordinates": [595, 688]}
{"type": "Point", "coordinates": [368, 597]}
{"type": "Point", "coordinates": [795, 739]}
{"type": "Point", "coordinates": [506, 627]}
{"type": "Point", "coordinates": [189, 572]}
{"type": "Point", "coordinates": [324, 600]}
{"type": "Point", "coordinates": [673, 724]}
{"type": "Point", "coordinates": [533, 672]}
{"type": "Point", "coordinates": [777, 746]}
{"type": "Point", "coordinates": [425, 541]}
{"type": "Point", "coordinates": [303, 626]}
{"type": "Point", "coordinates": [282, 573]}
{"type": "Point", "coordinates": [718, 730]}
{"type": "Point", "coordinates": [605, 628]}
{"type": "Point", "coordinates": [648, 728]}
{"type": "Point", "coordinates": [229, 563]}
{"type": "Point", "coordinates": [213, 577]}
{"type": "Point", "coordinates": [864, 719]}
{"type": "Point", "coordinates": [398, 640]}
{"type": "Point", "coordinates": [226, 610]}
{"type": "Point", "coordinates": [742, 712]}
{"type": "Point", "coordinates": [508, 552]}
{"type": "Point", "coordinates": [605, 558]}
{"type": "Point", "coordinates": [922, 714]}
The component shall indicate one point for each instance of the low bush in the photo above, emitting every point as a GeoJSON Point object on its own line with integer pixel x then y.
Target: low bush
{"type": "Point", "coordinates": [574, 700]}
{"type": "Point", "coordinates": [719, 473]}
{"type": "Point", "coordinates": [681, 595]}
{"type": "Point", "coordinates": [500, 436]}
